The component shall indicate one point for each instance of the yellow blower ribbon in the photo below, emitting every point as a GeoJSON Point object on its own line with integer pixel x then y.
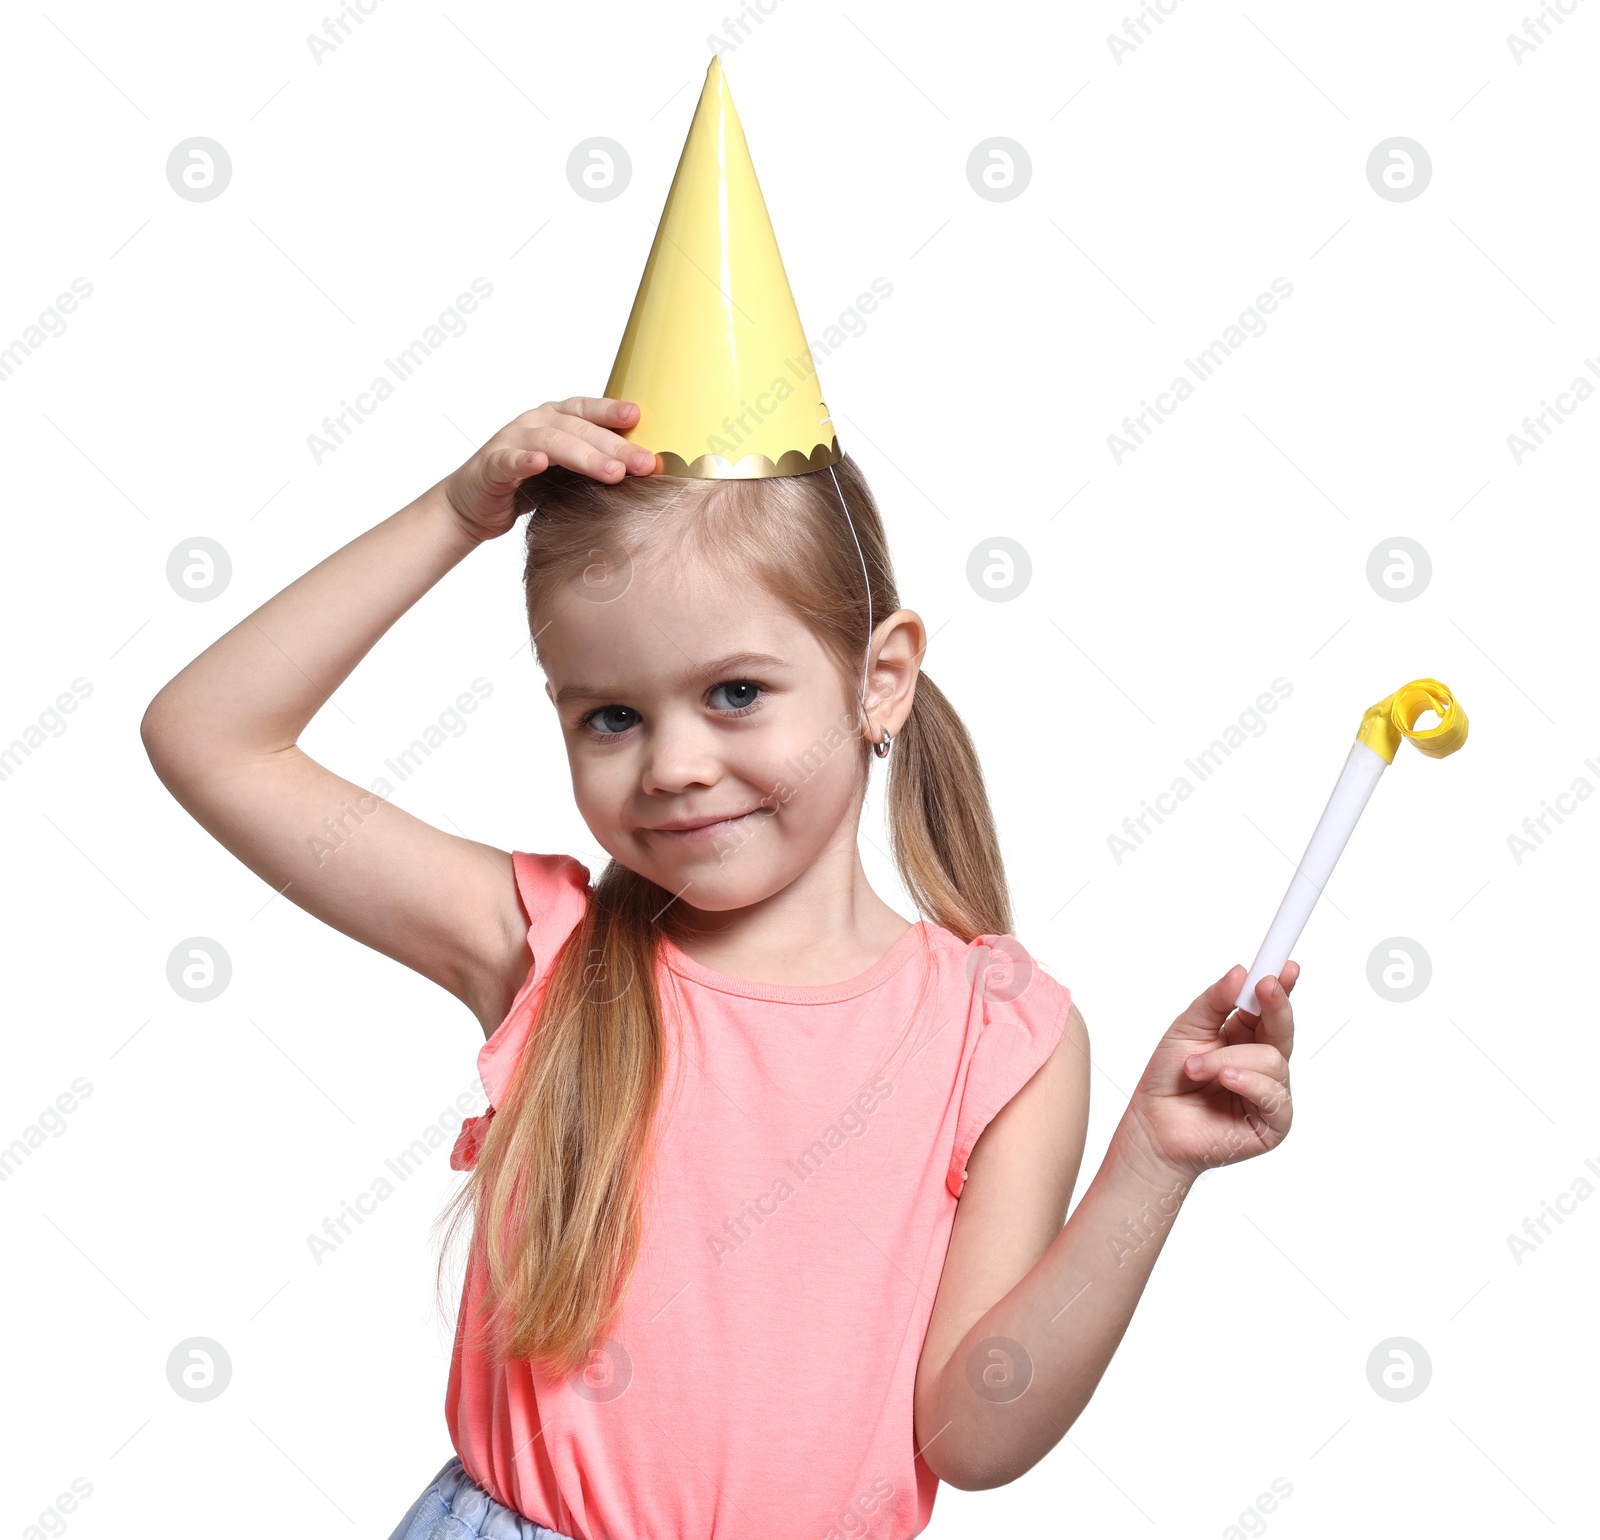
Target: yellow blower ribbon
{"type": "Point", "coordinates": [1395, 717]}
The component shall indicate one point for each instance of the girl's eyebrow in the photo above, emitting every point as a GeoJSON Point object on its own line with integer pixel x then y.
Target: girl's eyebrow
{"type": "Point", "coordinates": [717, 669]}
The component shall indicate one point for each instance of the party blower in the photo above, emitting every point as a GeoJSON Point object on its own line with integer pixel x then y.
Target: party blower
{"type": "Point", "coordinates": [1382, 728]}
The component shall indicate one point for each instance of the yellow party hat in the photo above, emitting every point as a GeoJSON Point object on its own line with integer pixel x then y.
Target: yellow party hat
{"type": "Point", "coordinates": [714, 354]}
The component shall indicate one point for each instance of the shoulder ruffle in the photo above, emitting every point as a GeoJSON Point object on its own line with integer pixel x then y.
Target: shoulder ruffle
{"type": "Point", "coordinates": [555, 891]}
{"type": "Point", "coordinates": [1021, 1012]}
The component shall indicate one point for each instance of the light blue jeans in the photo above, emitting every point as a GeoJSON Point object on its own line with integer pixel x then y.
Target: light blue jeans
{"type": "Point", "coordinates": [455, 1507]}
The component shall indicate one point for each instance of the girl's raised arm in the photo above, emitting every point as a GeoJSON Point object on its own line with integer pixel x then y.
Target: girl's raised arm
{"type": "Point", "coordinates": [223, 733]}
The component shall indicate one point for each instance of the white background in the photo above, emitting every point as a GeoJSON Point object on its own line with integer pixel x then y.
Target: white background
{"type": "Point", "coordinates": [1167, 190]}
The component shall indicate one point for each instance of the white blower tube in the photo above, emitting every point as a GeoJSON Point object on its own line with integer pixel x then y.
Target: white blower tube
{"type": "Point", "coordinates": [1350, 793]}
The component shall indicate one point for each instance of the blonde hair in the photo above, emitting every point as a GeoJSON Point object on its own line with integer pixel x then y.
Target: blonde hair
{"type": "Point", "coordinates": [560, 1185]}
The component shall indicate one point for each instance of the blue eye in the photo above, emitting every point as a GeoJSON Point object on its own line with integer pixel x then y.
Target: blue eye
{"type": "Point", "coordinates": [602, 722]}
{"type": "Point", "coordinates": [611, 730]}
{"type": "Point", "coordinates": [737, 686]}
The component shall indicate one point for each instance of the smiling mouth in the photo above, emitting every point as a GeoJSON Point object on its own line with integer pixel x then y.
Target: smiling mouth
{"type": "Point", "coordinates": [706, 830]}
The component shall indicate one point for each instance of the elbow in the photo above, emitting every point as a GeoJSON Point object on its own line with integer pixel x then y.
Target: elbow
{"type": "Point", "coordinates": [969, 1470]}
{"type": "Point", "coordinates": [962, 1482]}
{"type": "Point", "coordinates": [151, 733]}
{"type": "Point", "coordinates": [962, 1452]}
{"type": "Point", "coordinates": [187, 751]}
{"type": "Point", "coordinates": [174, 743]}
{"type": "Point", "coordinates": [987, 1462]}
{"type": "Point", "coordinates": [160, 734]}
{"type": "Point", "coordinates": [976, 1478]}
{"type": "Point", "coordinates": [950, 1472]}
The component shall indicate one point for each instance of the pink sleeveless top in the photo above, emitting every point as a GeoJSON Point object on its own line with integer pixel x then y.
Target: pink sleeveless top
{"type": "Point", "coordinates": [811, 1145]}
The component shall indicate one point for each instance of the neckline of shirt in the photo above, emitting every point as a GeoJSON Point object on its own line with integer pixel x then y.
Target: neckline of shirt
{"type": "Point", "coordinates": [685, 966]}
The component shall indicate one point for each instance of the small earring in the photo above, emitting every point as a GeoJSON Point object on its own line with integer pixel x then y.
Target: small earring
{"type": "Point", "coordinates": [882, 749]}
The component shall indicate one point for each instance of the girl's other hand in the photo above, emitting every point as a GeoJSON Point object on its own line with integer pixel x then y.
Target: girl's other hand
{"type": "Point", "coordinates": [1216, 1089]}
{"type": "Point", "coordinates": [583, 432]}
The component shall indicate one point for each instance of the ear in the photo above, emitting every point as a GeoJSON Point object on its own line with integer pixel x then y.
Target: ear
{"type": "Point", "coordinates": [550, 694]}
{"type": "Point", "coordinates": [898, 644]}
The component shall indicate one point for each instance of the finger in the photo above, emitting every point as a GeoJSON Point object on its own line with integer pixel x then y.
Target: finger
{"type": "Point", "coordinates": [1242, 1028]}
{"type": "Point", "coordinates": [1205, 1016]}
{"type": "Point", "coordinates": [609, 411]}
{"type": "Point", "coordinates": [1269, 1097]}
{"type": "Point", "coordinates": [633, 457]}
{"type": "Point", "coordinates": [505, 466]}
{"type": "Point", "coordinates": [574, 448]}
{"type": "Point", "coordinates": [1276, 1025]}
{"type": "Point", "coordinates": [1261, 1057]}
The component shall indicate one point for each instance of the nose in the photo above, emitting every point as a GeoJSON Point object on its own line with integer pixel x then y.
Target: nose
{"type": "Point", "coordinates": [680, 753]}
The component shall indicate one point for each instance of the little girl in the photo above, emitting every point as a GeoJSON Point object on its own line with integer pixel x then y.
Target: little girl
{"type": "Point", "coordinates": [768, 1197]}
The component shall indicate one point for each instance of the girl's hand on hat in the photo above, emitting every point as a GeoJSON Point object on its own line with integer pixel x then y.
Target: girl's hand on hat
{"type": "Point", "coordinates": [1216, 1089]}
{"type": "Point", "coordinates": [582, 432]}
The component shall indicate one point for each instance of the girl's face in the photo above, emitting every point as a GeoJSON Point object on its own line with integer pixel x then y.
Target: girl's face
{"type": "Point", "coordinates": [690, 697]}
